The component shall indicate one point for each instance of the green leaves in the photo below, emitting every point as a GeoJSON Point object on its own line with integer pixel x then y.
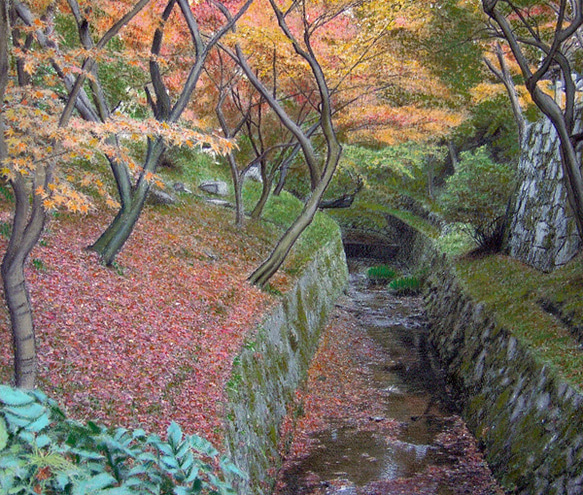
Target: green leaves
{"type": "Point", "coordinates": [44, 452]}
{"type": "Point", "coordinates": [3, 434]}
{"type": "Point", "coordinates": [478, 192]}
{"type": "Point", "coordinates": [14, 397]}
{"type": "Point", "coordinates": [21, 410]}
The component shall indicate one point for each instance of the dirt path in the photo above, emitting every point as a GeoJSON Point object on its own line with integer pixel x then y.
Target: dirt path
{"type": "Point", "coordinates": [374, 419]}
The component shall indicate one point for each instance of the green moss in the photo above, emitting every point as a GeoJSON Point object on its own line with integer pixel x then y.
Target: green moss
{"type": "Point", "coordinates": [512, 291]}
{"type": "Point", "coordinates": [503, 398]}
{"type": "Point", "coordinates": [418, 223]}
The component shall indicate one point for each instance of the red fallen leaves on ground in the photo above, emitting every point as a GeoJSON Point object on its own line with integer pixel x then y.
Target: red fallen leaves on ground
{"type": "Point", "coordinates": [152, 340]}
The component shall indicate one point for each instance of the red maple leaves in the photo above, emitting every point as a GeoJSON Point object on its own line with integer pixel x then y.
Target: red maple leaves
{"type": "Point", "coordinates": [152, 340]}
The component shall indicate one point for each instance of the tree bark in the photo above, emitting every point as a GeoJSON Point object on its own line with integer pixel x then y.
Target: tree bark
{"type": "Point", "coordinates": [506, 78]}
{"type": "Point", "coordinates": [561, 118]}
{"type": "Point", "coordinates": [270, 266]}
{"type": "Point", "coordinates": [21, 320]}
{"type": "Point", "coordinates": [119, 231]}
{"type": "Point", "coordinates": [24, 236]}
{"type": "Point", "coordinates": [263, 274]}
{"type": "Point", "coordinates": [265, 193]}
{"type": "Point", "coordinates": [27, 226]}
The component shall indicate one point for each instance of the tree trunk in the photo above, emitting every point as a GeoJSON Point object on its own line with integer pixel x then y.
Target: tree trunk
{"type": "Point", "coordinates": [268, 268]}
{"type": "Point", "coordinates": [238, 189]}
{"type": "Point", "coordinates": [265, 192]}
{"type": "Point", "coordinates": [27, 226]}
{"type": "Point", "coordinates": [121, 227]}
{"type": "Point", "coordinates": [25, 234]}
{"type": "Point", "coordinates": [21, 320]}
{"type": "Point", "coordinates": [430, 176]}
{"type": "Point", "coordinates": [452, 155]}
{"type": "Point", "coordinates": [506, 78]}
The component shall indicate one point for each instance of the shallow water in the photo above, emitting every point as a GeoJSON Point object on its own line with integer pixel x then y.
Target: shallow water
{"type": "Point", "coordinates": [346, 460]}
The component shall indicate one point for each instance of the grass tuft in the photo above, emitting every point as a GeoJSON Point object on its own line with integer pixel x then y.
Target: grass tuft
{"type": "Point", "coordinates": [405, 286]}
{"type": "Point", "coordinates": [381, 274]}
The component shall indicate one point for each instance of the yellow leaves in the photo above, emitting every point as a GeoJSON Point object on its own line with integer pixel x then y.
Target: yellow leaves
{"type": "Point", "coordinates": [112, 203]}
{"type": "Point", "coordinates": [40, 191]}
{"type": "Point", "coordinates": [63, 195]}
{"type": "Point", "coordinates": [29, 67]}
{"type": "Point", "coordinates": [49, 204]}
{"type": "Point", "coordinates": [486, 91]}
{"type": "Point", "coordinates": [7, 173]}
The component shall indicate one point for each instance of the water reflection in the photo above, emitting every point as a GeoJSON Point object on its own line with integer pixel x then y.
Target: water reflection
{"type": "Point", "coordinates": [412, 393]}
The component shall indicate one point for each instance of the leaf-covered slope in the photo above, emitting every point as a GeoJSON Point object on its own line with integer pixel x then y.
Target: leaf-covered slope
{"type": "Point", "coordinates": [153, 339]}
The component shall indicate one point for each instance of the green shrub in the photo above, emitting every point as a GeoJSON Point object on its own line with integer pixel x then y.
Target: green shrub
{"type": "Point", "coordinates": [381, 273]}
{"type": "Point", "coordinates": [477, 195]}
{"type": "Point", "coordinates": [41, 451]}
{"type": "Point", "coordinates": [405, 286]}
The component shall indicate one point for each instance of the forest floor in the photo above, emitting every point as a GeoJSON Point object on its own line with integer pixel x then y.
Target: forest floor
{"type": "Point", "coordinates": [153, 338]}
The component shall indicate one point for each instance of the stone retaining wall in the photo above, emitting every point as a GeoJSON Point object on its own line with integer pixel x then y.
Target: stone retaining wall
{"type": "Point", "coordinates": [542, 232]}
{"type": "Point", "coordinates": [528, 419]}
{"type": "Point", "coordinates": [271, 366]}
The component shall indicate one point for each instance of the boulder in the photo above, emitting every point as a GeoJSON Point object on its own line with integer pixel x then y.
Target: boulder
{"type": "Point", "coordinates": [218, 187]}
{"type": "Point", "coordinates": [254, 173]}
{"type": "Point", "coordinates": [159, 197]}
{"type": "Point", "coordinates": [180, 187]}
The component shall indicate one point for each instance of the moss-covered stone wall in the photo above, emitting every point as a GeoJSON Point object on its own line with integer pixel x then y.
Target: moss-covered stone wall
{"type": "Point", "coordinates": [542, 230]}
{"type": "Point", "coordinates": [527, 417]}
{"type": "Point", "coordinates": [273, 363]}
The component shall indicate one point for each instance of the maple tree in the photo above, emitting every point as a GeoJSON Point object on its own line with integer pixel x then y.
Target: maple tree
{"type": "Point", "coordinates": [321, 170]}
{"type": "Point", "coordinates": [30, 156]}
{"type": "Point", "coordinates": [243, 114]}
{"type": "Point", "coordinates": [133, 195]}
{"type": "Point", "coordinates": [46, 141]}
{"type": "Point", "coordinates": [544, 37]}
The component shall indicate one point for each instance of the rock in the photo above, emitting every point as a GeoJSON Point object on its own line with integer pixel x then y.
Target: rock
{"type": "Point", "coordinates": [181, 187]}
{"type": "Point", "coordinates": [218, 187]}
{"type": "Point", "coordinates": [542, 232]}
{"type": "Point", "coordinates": [254, 173]}
{"type": "Point", "coordinates": [160, 197]}
{"type": "Point", "coordinates": [219, 202]}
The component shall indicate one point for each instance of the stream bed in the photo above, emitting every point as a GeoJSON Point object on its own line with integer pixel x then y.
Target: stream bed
{"type": "Point", "coordinates": [374, 417]}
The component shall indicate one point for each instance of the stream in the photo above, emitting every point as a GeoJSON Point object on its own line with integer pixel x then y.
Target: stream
{"type": "Point", "coordinates": [377, 418]}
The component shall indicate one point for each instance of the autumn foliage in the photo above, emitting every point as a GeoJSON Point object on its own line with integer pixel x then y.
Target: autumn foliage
{"type": "Point", "coordinates": [153, 340]}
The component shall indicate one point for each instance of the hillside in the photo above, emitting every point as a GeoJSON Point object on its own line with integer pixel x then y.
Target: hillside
{"type": "Point", "coordinates": [152, 339]}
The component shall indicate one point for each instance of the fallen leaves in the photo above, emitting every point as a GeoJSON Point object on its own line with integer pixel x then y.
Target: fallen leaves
{"type": "Point", "coordinates": [340, 425]}
{"type": "Point", "coordinates": [152, 340]}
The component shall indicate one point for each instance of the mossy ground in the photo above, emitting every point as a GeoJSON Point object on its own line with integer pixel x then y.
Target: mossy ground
{"type": "Point", "coordinates": [513, 291]}
{"type": "Point", "coordinates": [518, 294]}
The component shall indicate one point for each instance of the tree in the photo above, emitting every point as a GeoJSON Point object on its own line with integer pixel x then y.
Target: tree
{"type": "Point", "coordinates": [477, 196]}
{"type": "Point", "coordinates": [244, 116]}
{"type": "Point", "coordinates": [37, 139]}
{"type": "Point", "coordinates": [45, 141]}
{"type": "Point", "coordinates": [502, 72]}
{"type": "Point", "coordinates": [541, 36]}
{"type": "Point", "coordinates": [133, 195]}
{"type": "Point", "coordinates": [322, 170]}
